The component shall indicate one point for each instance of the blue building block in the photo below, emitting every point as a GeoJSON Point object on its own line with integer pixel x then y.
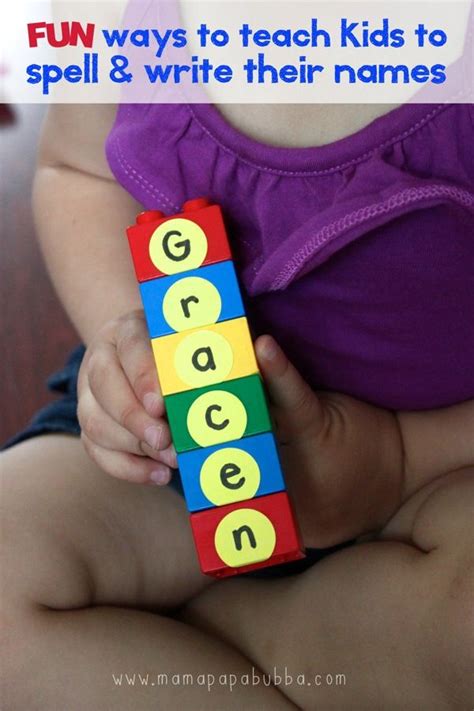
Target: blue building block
{"type": "Point", "coordinates": [191, 299]}
{"type": "Point", "coordinates": [230, 472]}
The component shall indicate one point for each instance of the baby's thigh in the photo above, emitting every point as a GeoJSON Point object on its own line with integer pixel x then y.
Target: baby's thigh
{"type": "Point", "coordinates": [392, 616]}
{"type": "Point", "coordinates": [74, 536]}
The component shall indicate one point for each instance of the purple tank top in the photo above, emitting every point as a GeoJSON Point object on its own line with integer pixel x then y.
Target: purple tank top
{"type": "Point", "coordinates": [357, 256]}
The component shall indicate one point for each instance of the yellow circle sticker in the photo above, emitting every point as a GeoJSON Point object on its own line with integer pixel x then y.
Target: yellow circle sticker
{"type": "Point", "coordinates": [191, 302]}
{"type": "Point", "coordinates": [244, 537]}
{"type": "Point", "coordinates": [216, 417]}
{"type": "Point", "coordinates": [177, 246]}
{"type": "Point", "coordinates": [203, 358]}
{"type": "Point", "coordinates": [229, 475]}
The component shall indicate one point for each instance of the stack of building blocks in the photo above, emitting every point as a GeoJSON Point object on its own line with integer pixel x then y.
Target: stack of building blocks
{"type": "Point", "coordinates": [240, 514]}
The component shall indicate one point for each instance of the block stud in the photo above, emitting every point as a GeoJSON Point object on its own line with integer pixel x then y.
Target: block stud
{"type": "Point", "coordinates": [196, 204]}
{"type": "Point", "coordinates": [149, 216]}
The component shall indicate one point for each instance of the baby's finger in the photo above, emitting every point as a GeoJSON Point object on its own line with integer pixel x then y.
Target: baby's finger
{"type": "Point", "coordinates": [101, 429]}
{"type": "Point", "coordinates": [287, 389]}
{"type": "Point", "coordinates": [130, 467]}
{"type": "Point", "coordinates": [136, 358]}
{"type": "Point", "coordinates": [166, 456]}
{"type": "Point", "coordinates": [112, 390]}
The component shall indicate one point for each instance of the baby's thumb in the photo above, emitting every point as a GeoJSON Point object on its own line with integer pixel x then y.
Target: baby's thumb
{"type": "Point", "coordinates": [288, 392]}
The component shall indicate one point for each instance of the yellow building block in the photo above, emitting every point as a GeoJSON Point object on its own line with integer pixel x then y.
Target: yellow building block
{"type": "Point", "coordinates": [204, 356]}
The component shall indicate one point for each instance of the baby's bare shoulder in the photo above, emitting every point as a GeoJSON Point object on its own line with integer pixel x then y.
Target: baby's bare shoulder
{"type": "Point", "coordinates": [74, 136]}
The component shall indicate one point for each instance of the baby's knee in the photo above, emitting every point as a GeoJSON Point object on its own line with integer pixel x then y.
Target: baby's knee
{"type": "Point", "coordinates": [42, 567]}
{"type": "Point", "coordinates": [443, 529]}
{"type": "Point", "coordinates": [450, 630]}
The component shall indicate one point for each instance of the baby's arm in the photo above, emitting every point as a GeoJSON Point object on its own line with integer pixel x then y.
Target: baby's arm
{"type": "Point", "coordinates": [80, 214]}
{"type": "Point", "coordinates": [351, 465]}
{"type": "Point", "coordinates": [435, 442]}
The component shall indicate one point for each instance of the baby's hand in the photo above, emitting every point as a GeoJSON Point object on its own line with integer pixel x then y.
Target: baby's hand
{"type": "Point", "coordinates": [121, 410]}
{"type": "Point", "coordinates": [343, 458]}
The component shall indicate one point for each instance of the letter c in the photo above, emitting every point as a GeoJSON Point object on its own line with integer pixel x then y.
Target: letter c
{"type": "Point", "coordinates": [210, 422]}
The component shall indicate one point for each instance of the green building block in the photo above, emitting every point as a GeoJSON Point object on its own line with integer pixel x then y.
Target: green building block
{"type": "Point", "coordinates": [248, 390]}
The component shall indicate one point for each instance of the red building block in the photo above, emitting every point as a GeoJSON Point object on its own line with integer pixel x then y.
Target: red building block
{"type": "Point", "coordinates": [200, 211]}
{"type": "Point", "coordinates": [246, 536]}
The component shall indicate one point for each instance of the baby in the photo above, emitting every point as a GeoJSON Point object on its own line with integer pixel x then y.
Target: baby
{"type": "Point", "coordinates": [357, 257]}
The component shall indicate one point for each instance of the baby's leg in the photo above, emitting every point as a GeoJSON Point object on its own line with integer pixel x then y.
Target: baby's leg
{"type": "Point", "coordinates": [394, 616]}
{"type": "Point", "coordinates": [90, 564]}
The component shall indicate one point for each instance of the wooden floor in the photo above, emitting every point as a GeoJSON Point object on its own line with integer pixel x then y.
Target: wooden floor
{"type": "Point", "coordinates": [35, 335]}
